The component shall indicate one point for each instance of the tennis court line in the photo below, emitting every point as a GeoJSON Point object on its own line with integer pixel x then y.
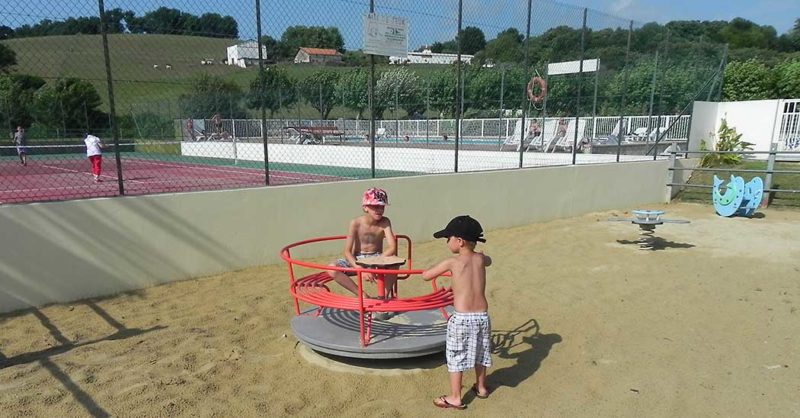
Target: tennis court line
{"type": "Point", "coordinates": [249, 172]}
{"type": "Point", "coordinates": [238, 170]}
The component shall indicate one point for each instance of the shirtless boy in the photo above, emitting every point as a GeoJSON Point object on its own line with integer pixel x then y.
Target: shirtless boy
{"type": "Point", "coordinates": [469, 328]}
{"type": "Point", "coordinates": [365, 237]}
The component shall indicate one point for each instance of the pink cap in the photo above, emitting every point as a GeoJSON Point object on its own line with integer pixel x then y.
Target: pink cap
{"type": "Point", "coordinates": [375, 196]}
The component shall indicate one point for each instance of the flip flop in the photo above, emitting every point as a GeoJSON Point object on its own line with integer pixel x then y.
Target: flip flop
{"type": "Point", "coordinates": [478, 394]}
{"type": "Point", "coordinates": [441, 402]}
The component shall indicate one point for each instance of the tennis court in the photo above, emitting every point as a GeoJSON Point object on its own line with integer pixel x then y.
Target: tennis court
{"type": "Point", "coordinates": [62, 172]}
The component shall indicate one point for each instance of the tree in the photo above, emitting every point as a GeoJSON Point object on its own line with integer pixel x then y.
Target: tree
{"type": "Point", "coordinates": [749, 80]}
{"type": "Point", "coordinates": [6, 32]}
{"type": "Point", "coordinates": [449, 47]}
{"type": "Point", "coordinates": [506, 47]}
{"type": "Point", "coordinates": [8, 58]}
{"type": "Point", "coordinates": [441, 92]}
{"type": "Point", "coordinates": [295, 37]}
{"type": "Point", "coordinates": [472, 40]}
{"type": "Point", "coordinates": [352, 89]}
{"type": "Point", "coordinates": [484, 87]}
{"type": "Point", "coordinates": [69, 104]}
{"type": "Point", "coordinates": [272, 91]}
{"type": "Point", "coordinates": [790, 41]}
{"type": "Point", "coordinates": [216, 26]}
{"type": "Point", "coordinates": [17, 99]}
{"type": "Point", "coordinates": [742, 33]}
{"type": "Point", "coordinates": [788, 79]}
{"type": "Point", "coordinates": [272, 46]}
{"type": "Point", "coordinates": [212, 94]}
{"type": "Point", "coordinates": [319, 90]}
{"type": "Point", "coordinates": [398, 88]}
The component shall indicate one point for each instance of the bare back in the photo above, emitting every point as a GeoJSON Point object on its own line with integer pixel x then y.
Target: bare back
{"type": "Point", "coordinates": [469, 282]}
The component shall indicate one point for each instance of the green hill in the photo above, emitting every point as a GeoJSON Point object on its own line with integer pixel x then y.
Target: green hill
{"type": "Point", "coordinates": [132, 61]}
{"type": "Point", "coordinates": [137, 85]}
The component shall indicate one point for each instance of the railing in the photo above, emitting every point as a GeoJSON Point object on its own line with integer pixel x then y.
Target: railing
{"type": "Point", "coordinates": [638, 128]}
{"type": "Point", "coordinates": [768, 171]}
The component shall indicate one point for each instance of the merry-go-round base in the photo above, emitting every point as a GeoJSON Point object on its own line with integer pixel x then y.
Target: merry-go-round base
{"type": "Point", "coordinates": [403, 335]}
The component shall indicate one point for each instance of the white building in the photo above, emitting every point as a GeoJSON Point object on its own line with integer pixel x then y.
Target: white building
{"type": "Point", "coordinates": [428, 57]}
{"type": "Point", "coordinates": [245, 54]}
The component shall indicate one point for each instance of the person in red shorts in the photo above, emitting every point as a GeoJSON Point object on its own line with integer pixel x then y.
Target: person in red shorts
{"type": "Point", "coordinates": [94, 152]}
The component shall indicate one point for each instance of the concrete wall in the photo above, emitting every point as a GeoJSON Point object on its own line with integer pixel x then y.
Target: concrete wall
{"type": "Point", "coordinates": [64, 251]}
{"type": "Point", "coordinates": [755, 120]}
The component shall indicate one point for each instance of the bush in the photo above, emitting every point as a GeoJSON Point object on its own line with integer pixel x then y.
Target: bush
{"type": "Point", "coordinates": [727, 140]}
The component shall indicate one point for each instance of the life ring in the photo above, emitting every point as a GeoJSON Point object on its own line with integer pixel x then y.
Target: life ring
{"type": "Point", "coordinates": [537, 81]}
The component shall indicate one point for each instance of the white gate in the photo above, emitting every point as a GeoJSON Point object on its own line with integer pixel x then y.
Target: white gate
{"type": "Point", "coordinates": [788, 136]}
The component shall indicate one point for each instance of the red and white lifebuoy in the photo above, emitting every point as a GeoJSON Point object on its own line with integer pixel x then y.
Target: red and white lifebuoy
{"type": "Point", "coordinates": [532, 95]}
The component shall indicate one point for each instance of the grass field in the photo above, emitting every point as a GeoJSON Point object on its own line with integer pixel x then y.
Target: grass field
{"type": "Point", "coordinates": [782, 181]}
{"type": "Point", "coordinates": [137, 84]}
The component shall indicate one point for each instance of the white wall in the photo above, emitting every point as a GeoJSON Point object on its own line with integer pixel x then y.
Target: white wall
{"type": "Point", "coordinates": [420, 160]}
{"type": "Point", "coordinates": [64, 251]}
{"type": "Point", "coordinates": [755, 120]}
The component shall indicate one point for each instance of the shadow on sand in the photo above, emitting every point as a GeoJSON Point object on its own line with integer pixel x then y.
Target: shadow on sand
{"type": "Point", "coordinates": [44, 357]}
{"type": "Point", "coordinates": [527, 346]}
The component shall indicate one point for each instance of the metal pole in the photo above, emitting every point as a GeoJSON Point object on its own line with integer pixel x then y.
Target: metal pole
{"type": "Point", "coordinates": [111, 105]}
{"type": "Point", "coordinates": [261, 102]}
{"type": "Point", "coordinates": [321, 111]}
{"type": "Point", "coordinates": [458, 83]}
{"type": "Point", "coordinates": [525, 64]}
{"type": "Point", "coordinates": [773, 149]}
{"type": "Point", "coordinates": [427, 111]}
{"type": "Point", "coordinates": [371, 102]}
{"type": "Point", "coordinates": [502, 92]}
{"type": "Point", "coordinates": [722, 73]}
{"type": "Point", "coordinates": [594, 101]}
{"type": "Point", "coordinates": [394, 112]}
{"type": "Point", "coordinates": [580, 86]}
{"type": "Point", "coordinates": [652, 95]}
{"type": "Point", "coordinates": [544, 106]}
{"type": "Point", "coordinates": [661, 101]}
{"type": "Point", "coordinates": [280, 108]}
{"type": "Point", "coordinates": [622, 128]}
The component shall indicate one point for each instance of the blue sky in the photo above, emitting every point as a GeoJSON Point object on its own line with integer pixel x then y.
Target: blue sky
{"type": "Point", "coordinates": [430, 20]}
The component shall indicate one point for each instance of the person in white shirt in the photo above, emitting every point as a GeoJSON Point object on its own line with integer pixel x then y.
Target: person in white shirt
{"type": "Point", "coordinates": [94, 152]}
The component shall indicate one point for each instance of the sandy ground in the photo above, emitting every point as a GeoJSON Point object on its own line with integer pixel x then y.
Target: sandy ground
{"type": "Point", "coordinates": [585, 324]}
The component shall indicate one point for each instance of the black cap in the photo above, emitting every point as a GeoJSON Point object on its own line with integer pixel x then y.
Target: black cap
{"type": "Point", "coordinates": [463, 227]}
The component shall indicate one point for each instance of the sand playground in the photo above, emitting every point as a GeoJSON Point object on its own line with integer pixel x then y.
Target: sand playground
{"type": "Point", "coordinates": [584, 325]}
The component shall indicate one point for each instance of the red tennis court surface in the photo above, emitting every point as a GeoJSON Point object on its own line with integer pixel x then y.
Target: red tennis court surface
{"type": "Point", "coordinates": [66, 179]}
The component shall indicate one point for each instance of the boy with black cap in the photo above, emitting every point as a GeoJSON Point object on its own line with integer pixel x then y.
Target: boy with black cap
{"type": "Point", "coordinates": [469, 328]}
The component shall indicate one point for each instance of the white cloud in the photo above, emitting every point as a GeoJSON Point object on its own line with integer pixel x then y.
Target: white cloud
{"type": "Point", "coordinates": [620, 6]}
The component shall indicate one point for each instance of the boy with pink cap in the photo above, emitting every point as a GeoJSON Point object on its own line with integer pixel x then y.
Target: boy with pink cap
{"type": "Point", "coordinates": [365, 237]}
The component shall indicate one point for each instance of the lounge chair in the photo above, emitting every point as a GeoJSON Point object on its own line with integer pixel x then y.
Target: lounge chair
{"type": "Point", "coordinates": [566, 142]}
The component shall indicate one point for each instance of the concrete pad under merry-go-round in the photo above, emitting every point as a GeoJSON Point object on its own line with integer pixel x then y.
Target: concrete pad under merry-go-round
{"type": "Point", "coordinates": [403, 335]}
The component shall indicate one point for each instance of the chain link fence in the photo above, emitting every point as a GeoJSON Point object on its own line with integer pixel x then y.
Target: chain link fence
{"type": "Point", "coordinates": [200, 95]}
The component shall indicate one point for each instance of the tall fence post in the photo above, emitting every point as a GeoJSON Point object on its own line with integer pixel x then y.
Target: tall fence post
{"type": "Point", "coordinates": [623, 127]}
{"type": "Point", "coordinates": [652, 97]}
{"type": "Point", "coordinates": [580, 86]}
{"type": "Point", "coordinates": [661, 100]}
{"type": "Point", "coordinates": [261, 102]}
{"type": "Point", "coordinates": [459, 98]}
{"type": "Point", "coordinates": [522, 130]}
{"type": "Point", "coordinates": [773, 149]}
{"type": "Point", "coordinates": [371, 103]}
{"type": "Point", "coordinates": [111, 105]}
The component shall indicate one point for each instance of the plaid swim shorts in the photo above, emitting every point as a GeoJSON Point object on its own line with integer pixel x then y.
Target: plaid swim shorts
{"type": "Point", "coordinates": [344, 264]}
{"type": "Point", "coordinates": [468, 341]}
